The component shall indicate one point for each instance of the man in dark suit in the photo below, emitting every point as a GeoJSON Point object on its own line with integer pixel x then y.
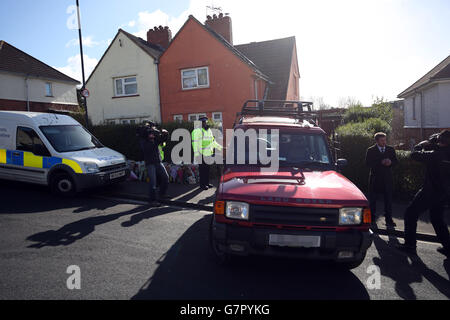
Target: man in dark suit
{"type": "Point", "coordinates": [381, 158]}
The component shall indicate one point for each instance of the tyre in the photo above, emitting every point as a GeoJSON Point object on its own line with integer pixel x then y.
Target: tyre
{"type": "Point", "coordinates": [220, 257]}
{"type": "Point", "coordinates": [62, 184]}
{"type": "Point", "coordinates": [352, 264]}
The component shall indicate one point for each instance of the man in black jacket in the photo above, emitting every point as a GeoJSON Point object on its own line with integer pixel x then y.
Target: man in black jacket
{"type": "Point", "coordinates": [432, 196]}
{"type": "Point", "coordinates": [381, 158]}
{"type": "Point", "coordinates": [150, 139]}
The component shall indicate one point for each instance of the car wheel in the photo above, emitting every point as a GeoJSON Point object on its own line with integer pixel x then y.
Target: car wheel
{"type": "Point", "coordinates": [220, 257]}
{"type": "Point", "coordinates": [352, 264]}
{"type": "Point", "coordinates": [63, 185]}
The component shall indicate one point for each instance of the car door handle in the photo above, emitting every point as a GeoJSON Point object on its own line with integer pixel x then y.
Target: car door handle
{"type": "Point", "coordinates": [16, 154]}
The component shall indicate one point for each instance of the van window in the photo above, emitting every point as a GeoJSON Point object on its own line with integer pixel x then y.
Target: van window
{"type": "Point", "coordinates": [69, 138]}
{"type": "Point", "coordinates": [28, 140]}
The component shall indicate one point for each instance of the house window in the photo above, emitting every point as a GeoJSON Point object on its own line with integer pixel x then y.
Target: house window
{"type": "Point", "coordinates": [196, 116]}
{"type": "Point", "coordinates": [125, 86]}
{"type": "Point", "coordinates": [111, 121]}
{"type": "Point", "coordinates": [217, 116]}
{"type": "Point", "coordinates": [256, 89]}
{"type": "Point", "coordinates": [48, 89]}
{"type": "Point", "coordinates": [178, 117]}
{"type": "Point", "coordinates": [195, 78]}
{"type": "Point", "coordinates": [414, 108]}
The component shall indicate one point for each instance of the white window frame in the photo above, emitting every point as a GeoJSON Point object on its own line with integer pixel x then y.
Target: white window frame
{"type": "Point", "coordinates": [197, 116]}
{"type": "Point", "coordinates": [123, 86]}
{"type": "Point", "coordinates": [196, 77]}
{"type": "Point", "coordinates": [48, 93]}
{"type": "Point", "coordinates": [178, 117]}
{"type": "Point", "coordinates": [111, 121]}
{"type": "Point", "coordinates": [215, 113]}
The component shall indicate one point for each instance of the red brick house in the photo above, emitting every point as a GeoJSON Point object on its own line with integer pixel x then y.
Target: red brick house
{"type": "Point", "coordinates": [27, 84]}
{"type": "Point", "coordinates": [202, 72]}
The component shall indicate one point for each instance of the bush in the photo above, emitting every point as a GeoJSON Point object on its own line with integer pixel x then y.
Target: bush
{"type": "Point", "coordinates": [408, 175]}
{"type": "Point", "coordinates": [380, 109]}
{"type": "Point", "coordinates": [367, 128]}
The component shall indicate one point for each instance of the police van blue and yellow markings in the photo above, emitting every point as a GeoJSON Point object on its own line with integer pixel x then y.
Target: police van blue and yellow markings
{"type": "Point", "coordinates": [28, 159]}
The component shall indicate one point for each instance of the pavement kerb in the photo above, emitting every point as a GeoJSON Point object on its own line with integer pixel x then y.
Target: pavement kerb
{"type": "Point", "coordinates": [183, 204]}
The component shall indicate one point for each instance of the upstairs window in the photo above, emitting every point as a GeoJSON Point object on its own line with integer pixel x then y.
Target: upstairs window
{"type": "Point", "coordinates": [195, 78]}
{"type": "Point", "coordinates": [125, 86]}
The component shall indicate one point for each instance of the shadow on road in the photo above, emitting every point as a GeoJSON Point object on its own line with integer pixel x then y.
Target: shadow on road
{"type": "Point", "coordinates": [31, 198]}
{"type": "Point", "coordinates": [188, 271]}
{"type": "Point", "coordinates": [79, 229]}
{"type": "Point", "coordinates": [406, 270]}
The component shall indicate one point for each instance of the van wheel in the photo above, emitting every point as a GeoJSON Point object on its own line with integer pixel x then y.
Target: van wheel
{"type": "Point", "coordinates": [220, 257]}
{"type": "Point", "coordinates": [63, 185]}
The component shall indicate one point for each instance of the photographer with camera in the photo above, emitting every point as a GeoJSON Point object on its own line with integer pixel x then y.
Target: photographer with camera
{"type": "Point", "coordinates": [433, 196]}
{"type": "Point", "coordinates": [150, 138]}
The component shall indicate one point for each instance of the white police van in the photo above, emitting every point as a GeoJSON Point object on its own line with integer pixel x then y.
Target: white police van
{"type": "Point", "coordinates": [55, 150]}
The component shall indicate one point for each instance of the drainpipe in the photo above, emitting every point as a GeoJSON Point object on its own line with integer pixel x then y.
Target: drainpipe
{"type": "Point", "coordinates": [422, 133]}
{"type": "Point", "coordinates": [159, 89]}
{"type": "Point", "coordinates": [27, 93]}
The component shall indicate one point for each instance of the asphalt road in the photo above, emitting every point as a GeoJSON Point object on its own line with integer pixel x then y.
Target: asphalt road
{"type": "Point", "coordinates": [130, 251]}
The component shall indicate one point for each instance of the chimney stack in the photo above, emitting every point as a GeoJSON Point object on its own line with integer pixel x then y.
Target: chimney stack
{"type": "Point", "coordinates": [160, 35]}
{"type": "Point", "coordinates": [222, 25]}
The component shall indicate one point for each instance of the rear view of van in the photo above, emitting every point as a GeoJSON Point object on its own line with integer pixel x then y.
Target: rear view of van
{"type": "Point", "coordinates": [55, 150]}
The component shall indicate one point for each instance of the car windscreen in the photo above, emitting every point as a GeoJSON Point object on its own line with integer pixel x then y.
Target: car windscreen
{"type": "Point", "coordinates": [67, 138]}
{"type": "Point", "coordinates": [296, 149]}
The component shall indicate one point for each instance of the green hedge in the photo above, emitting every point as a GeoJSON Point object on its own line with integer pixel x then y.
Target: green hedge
{"type": "Point", "coordinates": [380, 109]}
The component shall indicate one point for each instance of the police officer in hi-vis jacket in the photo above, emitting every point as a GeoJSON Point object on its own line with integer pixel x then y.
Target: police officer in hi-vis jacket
{"type": "Point", "coordinates": [203, 143]}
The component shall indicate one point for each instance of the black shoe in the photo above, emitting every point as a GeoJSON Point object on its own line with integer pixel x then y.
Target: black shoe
{"type": "Point", "coordinates": [409, 250]}
{"type": "Point", "coordinates": [204, 187]}
{"type": "Point", "coordinates": [444, 251]}
{"type": "Point", "coordinates": [165, 197]}
{"type": "Point", "coordinates": [390, 222]}
{"type": "Point", "coordinates": [210, 185]}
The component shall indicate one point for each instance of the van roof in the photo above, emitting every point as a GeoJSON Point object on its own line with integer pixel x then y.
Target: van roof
{"type": "Point", "coordinates": [38, 118]}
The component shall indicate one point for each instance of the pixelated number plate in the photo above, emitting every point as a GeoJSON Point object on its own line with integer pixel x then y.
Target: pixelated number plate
{"type": "Point", "coordinates": [116, 175]}
{"type": "Point", "coordinates": [286, 240]}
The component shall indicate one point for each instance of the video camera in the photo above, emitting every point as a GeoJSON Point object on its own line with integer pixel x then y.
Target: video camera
{"type": "Point", "coordinates": [143, 131]}
{"type": "Point", "coordinates": [428, 145]}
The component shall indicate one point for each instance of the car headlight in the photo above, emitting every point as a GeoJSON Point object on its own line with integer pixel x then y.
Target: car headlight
{"type": "Point", "coordinates": [350, 216]}
{"type": "Point", "coordinates": [91, 167]}
{"type": "Point", "coordinates": [237, 210]}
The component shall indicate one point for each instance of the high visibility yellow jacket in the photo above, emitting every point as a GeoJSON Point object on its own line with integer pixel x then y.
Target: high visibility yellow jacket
{"type": "Point", "coordinates": [161, 151]}
{"type": "Point", "coordinates": [203, 142]}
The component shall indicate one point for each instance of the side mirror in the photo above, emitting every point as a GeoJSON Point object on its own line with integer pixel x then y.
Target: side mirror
{"type": "Point", "coordinates": [341, 163]}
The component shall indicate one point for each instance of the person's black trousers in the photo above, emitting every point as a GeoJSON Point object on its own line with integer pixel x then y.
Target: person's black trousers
{"type": "Point", "coordinates": [424, 200]}
{"type": "Point", "coordinates": [387, 199]}
{"type": "Point", "coordinates": [203, 169]}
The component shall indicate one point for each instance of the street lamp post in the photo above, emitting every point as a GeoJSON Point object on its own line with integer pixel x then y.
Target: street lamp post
{"type": "Point", "coordinates": [82, 63]}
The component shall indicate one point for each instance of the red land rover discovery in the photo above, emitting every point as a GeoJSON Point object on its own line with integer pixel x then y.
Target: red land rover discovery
{"type": "Point", "coordinates": [304, 209]}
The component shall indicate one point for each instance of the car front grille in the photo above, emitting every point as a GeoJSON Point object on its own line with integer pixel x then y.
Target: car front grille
{"type": "Point", "coordinates": [114, 167]}
{"type": "Point", "coordinates": [295, 216]}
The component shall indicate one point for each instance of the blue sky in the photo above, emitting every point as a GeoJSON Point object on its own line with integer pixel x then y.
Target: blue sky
{"type": "Point", "coordinates": [347, 48]}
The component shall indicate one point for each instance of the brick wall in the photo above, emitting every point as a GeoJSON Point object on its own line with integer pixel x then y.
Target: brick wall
{"type": "Point", "coordinates": [17, 105]}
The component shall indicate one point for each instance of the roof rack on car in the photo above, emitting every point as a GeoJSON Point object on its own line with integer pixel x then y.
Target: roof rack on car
{"type": "Point", "coordinates": [279, 108]}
